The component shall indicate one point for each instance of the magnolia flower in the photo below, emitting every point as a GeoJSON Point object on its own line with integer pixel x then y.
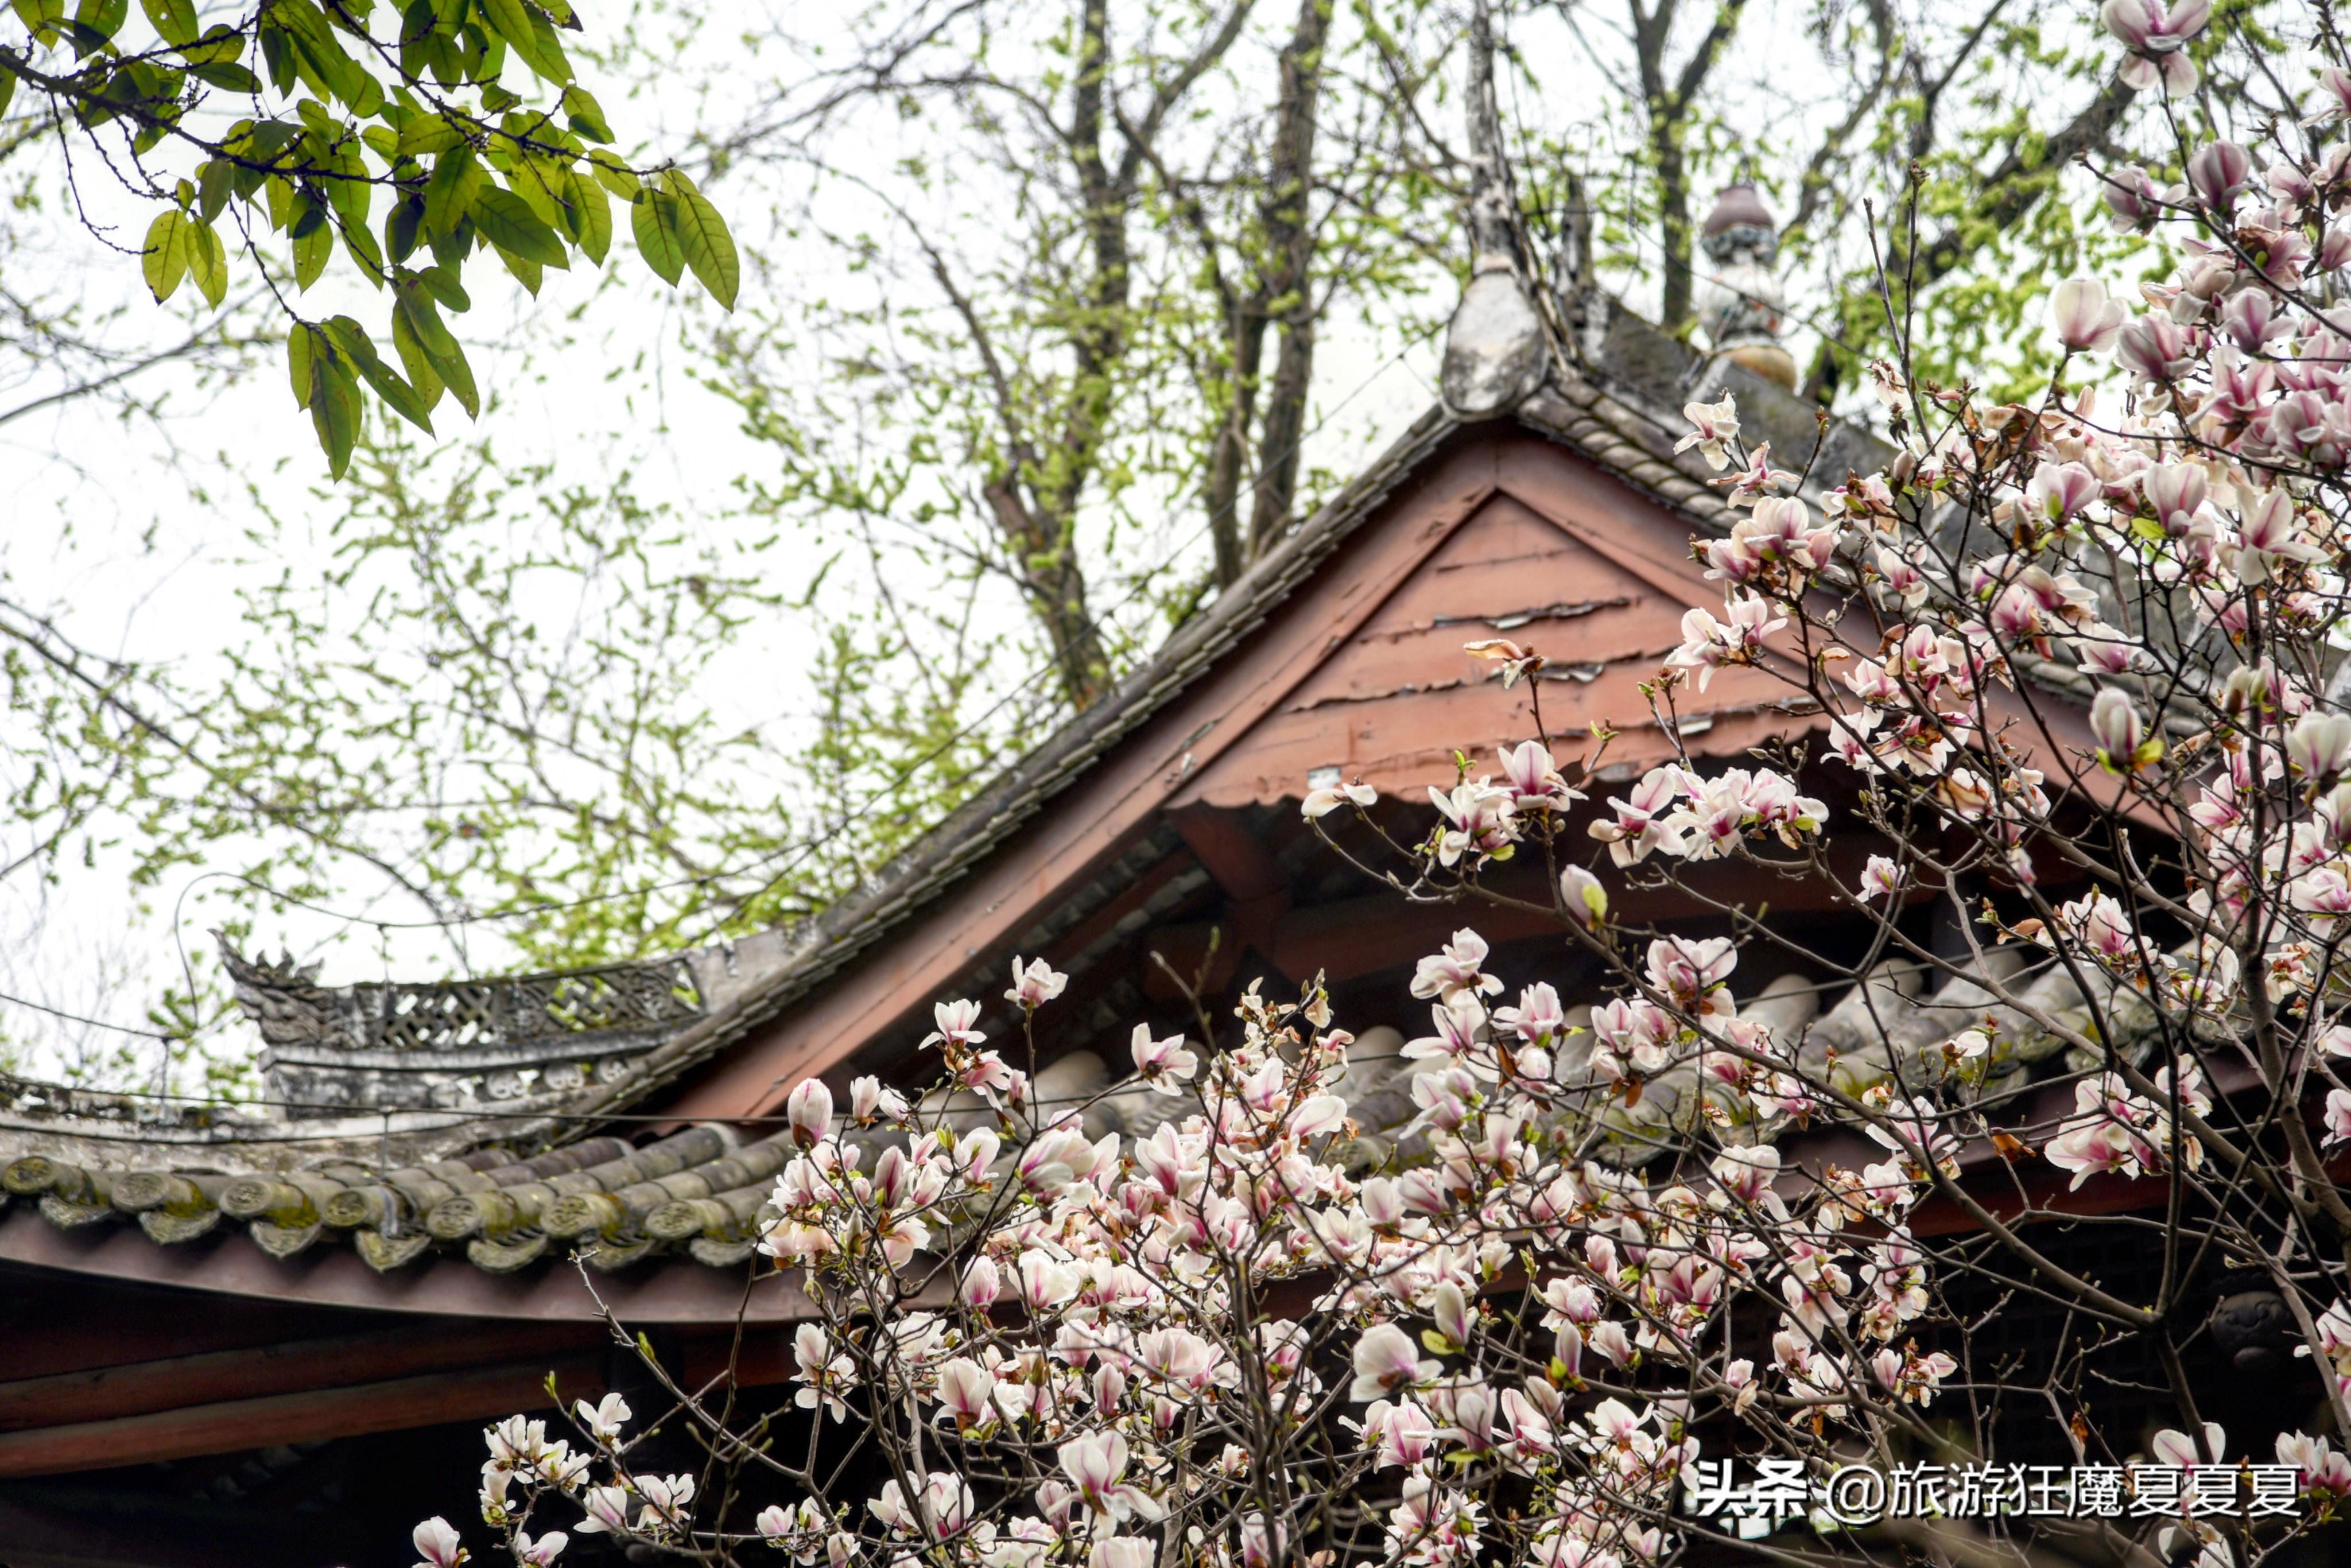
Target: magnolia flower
{"type": "Point", "coordinates": [604, 1418]}
{"type": "Point", "coordinates": [1035, 985]}
{"type": "Point", "coordinates": [1712, 424]}
{"type": "Point", "coordinates": [1123, 1552]}
{"type": "Point", "coordinates": [438, 1544]}
{"type": "Point", "coordinates": [539, 1552]}
{"type": "Point", "coordinates": [1454, 972]}
{"type": "Point", "coordinates": [809, 1112]}
{"type": "Point", "coordinates": [1385, 1361]}
{"type": "Point", "coordinates": [2176, 1447]}
{"type": "Point", "coordinates": [2081, 316]}
{"type": "Point", "coordinates": [955, 1021]}
{"type": "Point", "coordinates": [1881, 878]}
{"type": "Point", "coordinates": [2157, 39]}
{"type": "Point", "coordinates": [1331, 796]}
{"type": "Point", "coordinates": [967, 1392]}
{"type": "Point", "coordinates": [2319, 745]}
{"type": "Point", "coordinates": [607, 1510]}
{"type": "Point", "coordinates": [1166, 1063]}
{"type": "Point", "coordinates": [1096, 1465]}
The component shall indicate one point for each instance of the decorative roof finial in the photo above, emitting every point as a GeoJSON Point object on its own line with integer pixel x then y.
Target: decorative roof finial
{"type": "Point", "coordinates": [1494, 351]}
{"type": "Point", "coordinates": [1742, 308]}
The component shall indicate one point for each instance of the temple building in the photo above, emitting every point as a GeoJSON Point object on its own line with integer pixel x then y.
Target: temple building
{"type": "Point", "coordinates": [266, 1334]}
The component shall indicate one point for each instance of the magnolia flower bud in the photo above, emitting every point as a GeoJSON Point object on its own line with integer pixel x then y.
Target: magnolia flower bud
{"type": "Point", "coordinates": [2219, 171]}
{"type": "Point", "coordinates": [810, 1111]}
{"type": "Point", "coordinates": [1586, 900]}
{"type": "Point", "coordinates": [2123, 743]}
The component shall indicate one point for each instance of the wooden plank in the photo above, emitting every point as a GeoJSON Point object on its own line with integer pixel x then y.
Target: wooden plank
{"type": "Point", "coordinates": [173, 1382]}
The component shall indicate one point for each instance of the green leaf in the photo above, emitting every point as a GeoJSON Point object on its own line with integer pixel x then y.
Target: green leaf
{"type": "Point", "coordinates": [427, 136]}
{"type": "Point", "coordinates": [42, 18]}
{"type": "Point", "coordinates": [221, 45]}
{"type": "Point", "coordinates": [95, 22]}
{"type": "Point", "coordinates": [588, 212]}
{"type": "Point", "coordinates": [507, 222]}
{"type": "Point", "coordinates": [174, 21]}
{"type": "Point", "coordinates": [207, 261]}
{"type": "Point", "coordinates": [360, 243]}
{"type": "Point", "coordinates": [528, 34]}
{"type": "Point", "coordinates": [419, 364]}
{"type": "Point", "coordinates": [164, 257]}
{"type": "Point", "coordinates": [653, 218]}
{"type": "Point", "coordinates": [442, 283]}
{"type": "Point", "coordinates": [614, 175]}
{"type": "Point", "coordinates": [298, 361]}
{"type": "Point", "coordinates": [334, 410]}
{"type": "Point", "coordinates": [402, 226]}
{"type": "Point", "coordinates": [449, 194]}
{"type": "Point", "coordinates": [213, 182]}
{"type": "Point", "coordinates": [310, 253]}
{"type": "Point", "coordinates": [7, 85]}
{"type": "Point", "coordinates": [586, 116]}
{"type": "Point", "coordinates": [226, 75]}
{"type": "Point", "coordinates": [403, 399]}
{"type": "Point", "coordinates": [527, 272]}
{"type": "Point", "coordinates": [702, 232]}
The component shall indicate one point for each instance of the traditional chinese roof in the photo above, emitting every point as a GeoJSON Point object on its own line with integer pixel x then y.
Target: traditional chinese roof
{"type": "Point", "coordinates": [484, 1119]}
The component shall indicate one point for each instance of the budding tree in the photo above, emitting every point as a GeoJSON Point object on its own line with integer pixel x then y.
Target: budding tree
{"type": "Point", "coordinates": [2074, 684]}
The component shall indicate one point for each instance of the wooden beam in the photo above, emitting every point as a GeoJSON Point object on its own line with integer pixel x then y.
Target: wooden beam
{"type": "Point", "coordinates": [316, 1415]}
{"type": "Point", "coordinates": [175, 1382]}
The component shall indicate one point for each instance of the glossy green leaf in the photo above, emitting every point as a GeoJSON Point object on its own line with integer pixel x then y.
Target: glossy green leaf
{"type": "Point", "coordinates": [298, 361]}
{"type": "Point", "coordinates": [527, 272]}
{"type": "Point", "coordinates": [213, 182]}
{"type": "Point", "coordinates": [614, 175]}
{"type": "Point", "coordinates": [207, 261]}
{"type": "Point", "coordinates": [449, 194]}
{"type": "Point", "coordinates": [586, 115]}
{"type": "Point", "coordinates": [163, 259]}
{"type": "Point", "coordinates": [428, 135]}
{"type": "Point", "coordinates": [95, 22]}
{"type": "Point", "coordinates": [590, 211]}
{"type": "Point", "coordinates": [310, 253]}
{"type": "Point", "coordinates": [352, 339]}
{"type": "Point", "coordinates": [506, 220]}
{"type": "Point", "coordinates": [228, 77]}
{"type": "Point", "coordinates": [422, 375]}
{"type": "Point", "coordinates": [334, 409]}
{"type": "Point", "coordinates": [702, 235]}
{"type": "Point", "coordinates": [442, 283]}
{"type": "Point", "coordinates": [174, 21]}
{"type": "Point", "coordinates": [653, 218]}
{"type": "Point", "coordinates": [42, 18]}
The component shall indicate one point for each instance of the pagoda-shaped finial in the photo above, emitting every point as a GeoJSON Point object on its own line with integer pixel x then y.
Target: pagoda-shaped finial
{"type": "Point", "coordinates": [1494, 351]}
{"type": "Point", "coordinates": [1742, 308]}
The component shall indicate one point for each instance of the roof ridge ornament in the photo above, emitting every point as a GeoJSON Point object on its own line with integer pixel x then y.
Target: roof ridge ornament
{"type": "Point", "coordinates": [1494, 354]}
{"type": "Point", "coordinates": [1743, 309]}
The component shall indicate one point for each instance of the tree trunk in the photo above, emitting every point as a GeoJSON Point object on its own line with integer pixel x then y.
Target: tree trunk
{"type": "Point", "coordinates": [1289, 285]}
